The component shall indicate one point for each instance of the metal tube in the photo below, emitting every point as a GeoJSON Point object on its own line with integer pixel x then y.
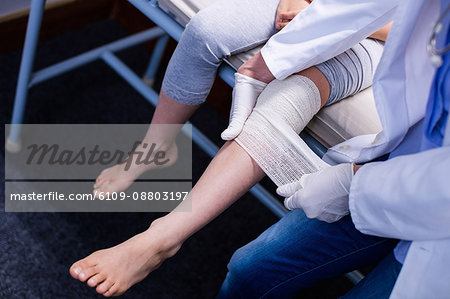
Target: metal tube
{"type": "Point", "coordinates": [79, 60]}
{"type": "Point", "coordinates": [354, 276]}
{"type": "Point", "coordinates": [226, 72]}
{"type": "Point", "coordinates": [26, 67]}
{"type": "Point", "coordinates": [159, 17]}
{"type": "Point", "coordinates": [315, 145]}
{"type": "Point", "coordinates": [154, 63]}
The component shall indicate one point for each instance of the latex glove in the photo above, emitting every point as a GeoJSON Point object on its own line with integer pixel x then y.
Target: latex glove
{"type": "Point", "coordinates": [322, 195]}
{"type": "Point", "coordinates": [246, 91]}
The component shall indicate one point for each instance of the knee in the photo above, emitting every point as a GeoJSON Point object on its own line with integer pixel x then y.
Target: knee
{"type": "Point", "coordinates": [294, 101]}
{"type": "Point", "coordinates": [204, 35]}
{"type": "Point", "coordinates": [199, 28]}
{"type": "Point", "coordinates": [241, 262]}
{"type": "Point", "coordinates": [242, 273]}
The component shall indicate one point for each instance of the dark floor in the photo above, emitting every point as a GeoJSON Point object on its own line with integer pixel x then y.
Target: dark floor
{"type": "Point", "coordinates": [37, 249]}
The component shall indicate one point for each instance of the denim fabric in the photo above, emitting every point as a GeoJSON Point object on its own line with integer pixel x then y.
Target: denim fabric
{"type": "Point", "coordinates": [296, 253]}
{"type": "Point", "coordinates": [229, 27]}
{"type": "Point", "coordinates": [379, 283]}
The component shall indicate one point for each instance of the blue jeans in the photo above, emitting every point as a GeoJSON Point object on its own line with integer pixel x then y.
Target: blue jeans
{"type": "Point", "coordinates": [296, 253]}
{"type": "Point", "coordinates": [379, 283]}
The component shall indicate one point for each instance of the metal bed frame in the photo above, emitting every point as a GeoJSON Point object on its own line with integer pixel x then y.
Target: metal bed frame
{"type": "Point", "coordinates": [167, 26]}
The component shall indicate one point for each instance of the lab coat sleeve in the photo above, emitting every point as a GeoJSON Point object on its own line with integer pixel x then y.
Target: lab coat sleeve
{"type": "Point", "coordinates": [323, 30]}
{"type": "Point", "coordinates": [407, 197]}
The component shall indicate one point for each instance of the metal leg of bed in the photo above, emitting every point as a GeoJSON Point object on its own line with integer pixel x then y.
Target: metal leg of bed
{"type": "Point", "coordinates": [26, 67]}
{"type": "Point", "coordinates": [158, 51]}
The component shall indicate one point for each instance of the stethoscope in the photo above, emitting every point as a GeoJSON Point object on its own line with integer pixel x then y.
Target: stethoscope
{"type": "Point", "coordinates": [435, 53]}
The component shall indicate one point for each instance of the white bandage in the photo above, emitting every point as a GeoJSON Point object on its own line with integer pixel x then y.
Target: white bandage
{"type": "Point", "coordinates": [270, 134]}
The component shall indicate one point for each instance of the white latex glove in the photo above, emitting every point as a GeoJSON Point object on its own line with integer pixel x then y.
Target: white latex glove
{"type": "Point", "coordinates": [246, 91]}
{"type": "Point", "coordinates": [322, 195]}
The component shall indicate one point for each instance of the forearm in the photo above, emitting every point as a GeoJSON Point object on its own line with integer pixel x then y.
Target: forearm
{"type": "Point", "coordinates": [382, 33]}
{"type": "Point", "coordinates": [256, 68]}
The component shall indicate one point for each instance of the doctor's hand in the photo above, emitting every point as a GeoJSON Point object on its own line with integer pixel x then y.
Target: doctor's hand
{"type": "Point", "coordinates": [245, 92]}
{"type": "Point", "coordinates": [323, 194]}
{"type": "Point", "coordinates": [287, 10]}
{"type": "Point", "coordinates": [250, 80]}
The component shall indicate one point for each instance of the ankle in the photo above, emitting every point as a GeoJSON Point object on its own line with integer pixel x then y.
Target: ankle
{"type": "Point", "coordinates": [156, 145]}
{"type": "Point", "coordinates": [167, 244]}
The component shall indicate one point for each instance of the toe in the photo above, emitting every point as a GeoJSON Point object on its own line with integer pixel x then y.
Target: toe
{"type": "Point", "coordinates": [96, 279]}
{"type": "Point", "coordinates": [87, 273]}
{"type": "Point", "coordinates": [99, 183]}
{"type": "Point", "coordinates": [78, 267]}
{"type": "Point", "coordinates": [104, 286]}
{"type": "Point", "coordinates": [101, 191]}
{"type": "Point", "coordinates": [96, 193]}
{"type": "Point", "coordinates": [74, 271]}
{"type": "Point", "coordinates": [111, 292]}
{"type": "Point", "coordinates": [114, 290]}
{"type": "Point", "coordinates": [107, 188]}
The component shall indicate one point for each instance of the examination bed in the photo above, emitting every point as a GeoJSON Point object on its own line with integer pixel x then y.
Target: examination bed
{"type": "Point", "coordinates": [353, 116]}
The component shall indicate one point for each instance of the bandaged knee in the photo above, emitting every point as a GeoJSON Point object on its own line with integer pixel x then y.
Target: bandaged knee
{"type": "Point", "coordinates": [270, 134]}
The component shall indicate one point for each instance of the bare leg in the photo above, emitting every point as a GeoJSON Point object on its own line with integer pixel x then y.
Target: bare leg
{"type": "Point", "coordinates": [168, 111]}
{"type": "Point", "coordinates": [319, 79]}
{"type": "Point", "coordinates": [230, 174]}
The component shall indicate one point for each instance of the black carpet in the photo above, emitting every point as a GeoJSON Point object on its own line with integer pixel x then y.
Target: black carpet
{"type": "Point", "coordinates": [36, 249]}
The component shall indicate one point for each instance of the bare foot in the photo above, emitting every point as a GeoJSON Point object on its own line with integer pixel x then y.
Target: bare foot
{"type": "Point", "coordinates": [119, 177]}
{"type": "Point", "coordinates": [114, 270]}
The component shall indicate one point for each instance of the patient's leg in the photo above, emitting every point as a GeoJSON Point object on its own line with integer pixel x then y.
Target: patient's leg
{"type": "Point", "coordinates": [230, 174]}
{"type": "Point", "coordinates": [216, 32]}
{"type": "Point", "coordinates": [168, 111]}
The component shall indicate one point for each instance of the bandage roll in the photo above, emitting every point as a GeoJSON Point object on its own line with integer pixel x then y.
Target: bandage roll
{"type": "Point", "coordinates": [270, 134]}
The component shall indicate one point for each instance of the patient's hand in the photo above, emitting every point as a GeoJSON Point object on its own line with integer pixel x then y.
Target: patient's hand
{"type": "Point", "coordinates": [287, 10]}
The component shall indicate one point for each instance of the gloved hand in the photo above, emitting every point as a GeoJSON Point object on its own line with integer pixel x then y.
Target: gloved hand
{"type": "Point", "coordinates": [322, 195]}
{"type": "Point", "coordinates": [246, 91]}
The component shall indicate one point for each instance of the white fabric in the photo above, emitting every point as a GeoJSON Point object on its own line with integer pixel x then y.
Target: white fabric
{"type": "Point", "coordinates": [353, 116]}
{"type": "Point", "coordinates": [322, 195]}
{"type": "Point", "coordinates": [270, 135]}
{"type": "Point", "coordinates": [307, 40]}
{"type": "Point", "coordinates": [379, 203]}
{"type": "Point", "coordinates": [245, 92]}
{"type": "Point", "coordinates": [383, 203]}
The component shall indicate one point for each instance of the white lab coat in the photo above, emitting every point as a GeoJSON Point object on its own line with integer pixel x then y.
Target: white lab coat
{"type": "Point", "coordinates": [407, 197]}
